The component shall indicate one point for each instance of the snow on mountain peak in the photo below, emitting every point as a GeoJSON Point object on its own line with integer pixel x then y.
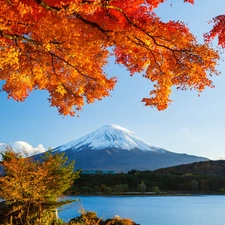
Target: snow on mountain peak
{"type": "Point", "coordinates": [116, 127]}
{"type": "Point", "coordinates": [108, 136]}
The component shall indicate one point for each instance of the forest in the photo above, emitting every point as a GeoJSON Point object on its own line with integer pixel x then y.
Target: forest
{"type": "Point", "coordinates": [202, 177]}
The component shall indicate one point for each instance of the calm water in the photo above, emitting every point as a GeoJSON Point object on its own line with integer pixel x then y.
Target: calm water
{"type": "Point", "coordinates": [169, 210]}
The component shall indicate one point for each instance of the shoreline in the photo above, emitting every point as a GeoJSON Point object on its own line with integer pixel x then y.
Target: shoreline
{"type": "Point", "coordinates": [162, 194]}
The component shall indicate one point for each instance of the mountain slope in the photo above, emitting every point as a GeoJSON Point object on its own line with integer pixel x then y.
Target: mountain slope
{"type": "Point", "coordinates": [108, 136]}
{"type": "Point", "coordinates": [123, 161]}
{"type": "Point", "coordinates": [115, 148]}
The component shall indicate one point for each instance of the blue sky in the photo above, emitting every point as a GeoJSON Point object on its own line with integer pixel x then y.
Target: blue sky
{"type": "Point", "coordinates": [192, 124]}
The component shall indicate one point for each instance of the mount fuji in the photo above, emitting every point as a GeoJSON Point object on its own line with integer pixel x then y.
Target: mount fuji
{"type": "Point", "coordinates": [114, 148]}
{"type": "Point", "coordinates": [109, 136]}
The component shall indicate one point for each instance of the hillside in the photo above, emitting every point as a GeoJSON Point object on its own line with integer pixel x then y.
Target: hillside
{"type": "Point", "coordinates": [198, 168]}
{"type": "Point", "coordinates": [202, 177]}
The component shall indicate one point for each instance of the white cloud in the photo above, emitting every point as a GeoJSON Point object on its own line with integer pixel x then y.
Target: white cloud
{"type": "Point", "coordinates": [23, 147]}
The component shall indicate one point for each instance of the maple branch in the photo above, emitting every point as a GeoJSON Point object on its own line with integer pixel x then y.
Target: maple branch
{"type": "Point", "coordinates": [9, 2]}
{"type": "Point", "coordinates": [17, 37]}
{"type": "Point", "coordinates": [173, 52]}
{"type": "Point", "coordinates": [93, 24]}
{"type": "Point", "coordinates": [82, 74]}
{"type": "Point", "coordinates": [96, 25]}
{"type": "Point", "coordinates": [62, 83]}
{"type": "Point", "coordinates": [57, 9]}
{"type": "Point", "coordinates": [144, 31]}
{"type": "Point", "coordinates": [188, 51]}
{"type": "Point", "coordinates": [179, 62]}
{"type": "Point", "coordinates": [162, 38]}
{"type": "Point", "coordinates": [147, 48]}
{"type": "Point", "coordinates": [86, 76]}
{"type": "Point", "coordinates": [47, 6]}
{"type": "Point", "coordinates": [10, 22]}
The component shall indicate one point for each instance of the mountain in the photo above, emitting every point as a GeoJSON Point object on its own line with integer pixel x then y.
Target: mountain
{"type": "Point", "coordinates": [112, 147]}
{"type": "Point", "coordinates": [109, 136]}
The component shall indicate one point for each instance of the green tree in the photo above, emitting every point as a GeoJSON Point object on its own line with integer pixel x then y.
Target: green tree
{"type": "Point", "coordinates": [194, 185]}
{"type": "Point", "coordinates": [97, 189]}
{"type": "Point", "coordinates": [31, 187]}
{"type": "Point", "coordinates": [85, 189]}
{"type": "Point", "coordinates": [125, 187]}
{"type": "Point", "coordinates": [118, 189]}
{"type": "Point", "coordinates": [142, 187]}
{"type": "Point", "coordinates": [107, 190]}
{"type": "Point", "coordinates": [155, 189]}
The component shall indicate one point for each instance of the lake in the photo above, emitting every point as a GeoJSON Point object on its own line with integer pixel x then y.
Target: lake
{"type": "Point", "coordinates": [154, 210]}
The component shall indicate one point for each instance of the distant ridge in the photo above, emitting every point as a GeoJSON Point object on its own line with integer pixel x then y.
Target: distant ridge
{"type": "Point", "coordinates": [198, 168]}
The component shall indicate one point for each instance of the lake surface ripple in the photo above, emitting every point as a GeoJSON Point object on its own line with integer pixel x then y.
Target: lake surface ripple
{"type": "Point", "coordinates": [154, 210]}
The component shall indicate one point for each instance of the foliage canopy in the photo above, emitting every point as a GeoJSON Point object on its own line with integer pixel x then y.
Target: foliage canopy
{"type": "Point", "coordinates": [62, 46]}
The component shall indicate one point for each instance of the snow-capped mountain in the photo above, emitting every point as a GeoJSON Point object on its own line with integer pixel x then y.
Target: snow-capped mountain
{"type": "Point", "coordinates": [109, 136]}
{"type": "Point", "coordinates": [112, 147]}
{"type": "Point", "coordinates": [23, 147]}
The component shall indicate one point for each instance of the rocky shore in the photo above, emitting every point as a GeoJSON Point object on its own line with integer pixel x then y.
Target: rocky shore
{"type": "Point", "coordinates": [90, 218]}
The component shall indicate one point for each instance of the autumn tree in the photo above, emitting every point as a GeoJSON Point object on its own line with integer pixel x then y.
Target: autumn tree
{"type": "Point", "coordinates": [217, 31]}
{"type": "Point", "coordinates": [30, 188]}
{"type": "Point", "coordinates": [62, 46]}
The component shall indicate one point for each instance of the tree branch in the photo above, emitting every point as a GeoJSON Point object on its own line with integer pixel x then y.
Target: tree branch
{"type": "Point", "coordinates": [147, 48]}
{"type": "Point", "coordinates": [46, 6]}
{"type": "Point", "coordinates": [144, 31]}
{"type": "Point", "coordinates": [86, 76]}
{"type": "Point", "coordinates": [17, 37]}
{"type": "Point", "coordinates": [93, 24]}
